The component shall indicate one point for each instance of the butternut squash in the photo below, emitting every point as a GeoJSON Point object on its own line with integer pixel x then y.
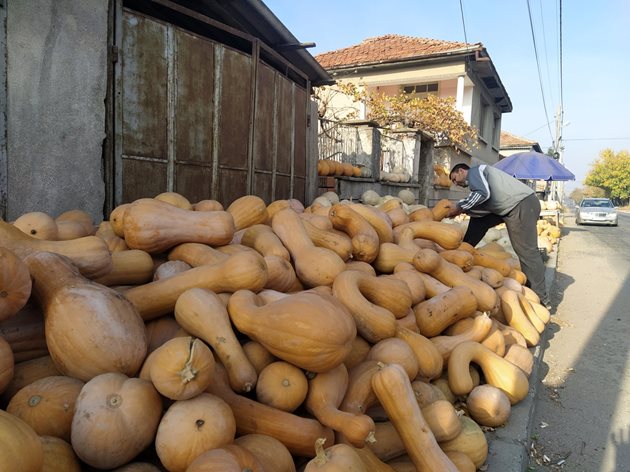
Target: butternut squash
{"type": "Point", "coordinates": [429, 359]}
{"type": "Point", "coordinates": [131, 267]}
{"type": "Point", "coordinates": [379, 220]}
{"type": "Point", "coordinates": [393, 389]}
{"type": "Point", "coordinates": [461, 259]}
{"type": "Point", "coordinates": [280, 274]}
{"type": "Point", "coordinates": [479, 329]}
{"type": "Point", "coordinates": [313, 265]}
{"type": "Point", "coordinates": [470, 441]}
{"type": "Point", "coordinates": [89, 254]}
{"type": "Point", "coordinates": [38, 225]}
{"type": "Point", "coordinates": [325, 394]}
{"type": "Point", "coordinates": [247, 211]}
{"type": "Point", "coordinates": [437, 313]}
{"type": "Point", "coordinates": [228, 458]}
{"type": "Point", "coordinates": [282, 385]}
{"type": "Point", "coordinates": [180, 368]}
{"type": "Point", "coordinates": [390, 255]}
{"type": "Point", "coordinates": [20, 447]}
{"type": "Point", "coordinates": [373, 322]}
{"type": "Point", "coordinates": [430, 262]}
{"type": "Point", "coordinates": [175, 199]}
{"type": "Point", "coordinates": [262, 238]}
{"type": "Point", "coordinates": [296, 433]}
{"type": "Point", "coordinates": [517, 319]}
{"type": "Point", "coordinates": [81, 318]}
{"type": "Point", "coordinates": [15, 284]}
{"type": "Point", "coordinates": [365, 240]}
{"type": "Point", "coordinates": [208, 205]}
{"type": "Point", "coordinates": [521, 357]}
{"type": "Point", "coordinates": [446, 235]}
{"type": "Point", "coordinates": [114, 242]}
{"type": "Point", "coordinates": [240, 271]}
{"type": "Point", "coordinates": [335, 240]}
{"type": "Point", "coordinates": [272, 454]}
{"type": "Point", "coordinates": [335, 458]}
{"type": "Point", "coordinates": [497, 371]}
{"type": "Point", "coordinates": [395, 351]}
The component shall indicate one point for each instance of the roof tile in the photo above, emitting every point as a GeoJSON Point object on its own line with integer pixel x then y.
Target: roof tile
{"type": "Point", "coordinates": [388, 48]}
{"type": "Point", "coordinates": [511, 140]}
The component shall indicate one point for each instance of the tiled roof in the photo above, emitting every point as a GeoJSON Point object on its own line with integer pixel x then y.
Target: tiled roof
{"type": "Point", "coordinates": [388, 48]}
{"type": "Point", "coordinates": [510, 140]}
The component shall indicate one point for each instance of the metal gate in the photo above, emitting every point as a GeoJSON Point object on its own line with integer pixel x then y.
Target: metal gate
{"type": "Point", "coordinates": [201, 118]}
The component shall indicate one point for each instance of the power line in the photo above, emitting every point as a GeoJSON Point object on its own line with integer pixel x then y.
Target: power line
{"type": "Point", "coordinates": [531, 25]}
{"type": "Point", "coordinates": [461, 9]}
{"type": "Point", "coordinates": [597, 139]}
{"type": "Point", "coordinates": [542, 22]}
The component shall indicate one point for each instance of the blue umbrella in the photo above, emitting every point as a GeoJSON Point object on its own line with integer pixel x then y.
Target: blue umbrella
{"type": "Point", "coordinates": [535, 166]}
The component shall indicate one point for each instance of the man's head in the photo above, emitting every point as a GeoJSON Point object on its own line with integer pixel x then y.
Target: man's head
{"type": "Point", "coordinates": [459, 175]}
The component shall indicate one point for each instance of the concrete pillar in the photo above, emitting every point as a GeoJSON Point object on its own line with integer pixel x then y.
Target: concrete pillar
{"type": "Point", "coordinates": [459, 95]}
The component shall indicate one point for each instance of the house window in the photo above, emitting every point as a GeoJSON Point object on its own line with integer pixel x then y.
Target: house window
{"type": "Point", "coordinates": [421, 90]}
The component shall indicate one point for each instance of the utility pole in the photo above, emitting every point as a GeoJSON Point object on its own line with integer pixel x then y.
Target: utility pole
{"type": "Point", "coordinates": [558, 148]}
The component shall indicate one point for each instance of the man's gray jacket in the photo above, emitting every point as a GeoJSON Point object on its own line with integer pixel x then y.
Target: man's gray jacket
{"type": "Point", "coordinates": [492, 191]}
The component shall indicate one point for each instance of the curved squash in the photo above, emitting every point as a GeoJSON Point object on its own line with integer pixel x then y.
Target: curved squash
{"type": "Point", "coordinates": [395, 351]}
{"type": "Point", "coordinates": [296, 433]}
{"type": "Point", "coordinates": [309, 330]}
{"type": "Point", "coordinates": [325, 394]}
{"type": "Point", "coordinates": [201, 313]}
{"type": "Point", "coordinates": [148, 225]}
{"type": "Point", "coordinates": [497, 371]}
{"type": "Point", "coordinates": [114, 242]}
{"type": "Point", "coordinates": [335, 458]}
{"type": "Point", "coordinates": [390, 255]}
{"type": "Point", "coordinates": [365, 240]}
{"type": "Point", "coordinates": [264, 240]}
{"type": "Point", "coordinates": [314, 266]}
{"type": "Point", "coordinates": [429, 359]}
{"type": "Point", "coordinates": [373, 322]}
{"type": "Point", "coordinates": [335, 240]}
{"type": "Point", "coordinates": [471, 441]}
{"type": "Point", "coordinates": [393, 389]}
{"type": "Point", "coordinates": [517, 319]}
{"type": "Point", "coordinates": [379, 220]}
{"type": "Point", "coordinates": [479, 328]}
{"type": "Point", "coordinates": [81, 317]}
{"type": "Point", "coordinates": [430, 262]}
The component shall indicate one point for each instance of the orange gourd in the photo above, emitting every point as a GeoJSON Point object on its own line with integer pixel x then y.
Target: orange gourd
{"type": "Point", "coordinates": [190, 427]}
{"type": "Point", "coordinates": [201, 313]}
{"type": "Point", "coordinates": [180, 369]}
{"type": "Point", "coordinates": [437, 313]}
{"type": "Point", "coordinates": [320, 329]}
{"type": "Point", "coordinates": [115, 418]}
{"type": "Point", "coordinates": [229, 274]}
{"type": "Point", "coordinates": [130, 267]}
{"type": "Point", "coordinates": [248, 210]}
{"type": "Point", "coordinates": [81, 317]}
{"type": "Point", "coordinates": [314, 266]}
{"type": "Point", "coordinates": [15, 284]}
{"type": "Point", "coordinates": [446, 235]}
{"type": "Point", "coordinates": [272, 454]}
{"type": "Point", "coordinates": [148, 225]}
{"type": "Point", "coordinates": [20, 447]}
{"type": "Point", "coordinates": [89, 254]}
{"type": "Point", "coordinates": [282, 385]}
{"type": "Point", "coordinates": [393, 389]}
{"type": "Point", "coordinates": [365, 240]}
{"type": "Point", "coordinates": [325, 394]}
{"type": "Point", "coordinates": [497, 371]}
{"type": "Point", "coordinates": [430, 361]}
{"type": "Point", "coordinates": [229, 458]}
{"type": "Point", "coordinates": [175, 199]}
{"type": "Point", "coordinates": [335, 458]}
{"type": "Point", "coordinates": [38, 225]}
{"type": "Point", "coordinates": [47, 405]}
{"type": "Point", "coordinates": [296, 433]}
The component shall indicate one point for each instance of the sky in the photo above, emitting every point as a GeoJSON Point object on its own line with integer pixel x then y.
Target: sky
{"type": "Point", "coordinates": [595, 61]}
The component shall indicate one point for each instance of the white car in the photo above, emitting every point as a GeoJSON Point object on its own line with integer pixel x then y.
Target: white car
{"type": "Point", "coordinates": [596, 211]}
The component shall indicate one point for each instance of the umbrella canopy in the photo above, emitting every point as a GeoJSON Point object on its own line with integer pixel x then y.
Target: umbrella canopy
{"type": "Point", "coordinates": [535, 166]}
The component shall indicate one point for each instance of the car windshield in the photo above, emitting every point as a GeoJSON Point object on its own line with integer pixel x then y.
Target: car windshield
{"type": "Point", "coordinates": [597, 203]}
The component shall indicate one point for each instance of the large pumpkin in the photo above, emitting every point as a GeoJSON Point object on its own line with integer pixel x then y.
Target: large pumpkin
{"type": "Point", "coordinates": [115, 418]}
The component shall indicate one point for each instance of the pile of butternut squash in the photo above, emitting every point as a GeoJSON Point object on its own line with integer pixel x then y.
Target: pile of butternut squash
{"type": "Point", "coordinates": [262, 337]}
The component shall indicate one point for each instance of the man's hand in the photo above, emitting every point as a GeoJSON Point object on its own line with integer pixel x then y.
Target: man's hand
{"type": "Point", "coordinates": [454, 211]}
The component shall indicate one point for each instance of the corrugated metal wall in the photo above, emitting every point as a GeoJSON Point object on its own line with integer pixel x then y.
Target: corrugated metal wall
{"type": "Point", "coordinates": [200, 118]}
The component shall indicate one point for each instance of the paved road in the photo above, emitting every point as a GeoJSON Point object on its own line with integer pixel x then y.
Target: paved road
{"type": "Point", "coordinates": [582, 408]}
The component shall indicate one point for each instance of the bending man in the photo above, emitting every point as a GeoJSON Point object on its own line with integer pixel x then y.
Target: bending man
{"type": "Point", "coordinates": [496, 197]}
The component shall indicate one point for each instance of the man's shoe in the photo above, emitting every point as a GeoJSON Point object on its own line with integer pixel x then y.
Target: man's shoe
{"type": "Point", "coordinates": [546, 303]}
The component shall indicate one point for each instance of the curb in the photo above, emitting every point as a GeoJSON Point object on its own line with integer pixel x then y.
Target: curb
{"type": "Point", "coordinates": [508, 446]}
